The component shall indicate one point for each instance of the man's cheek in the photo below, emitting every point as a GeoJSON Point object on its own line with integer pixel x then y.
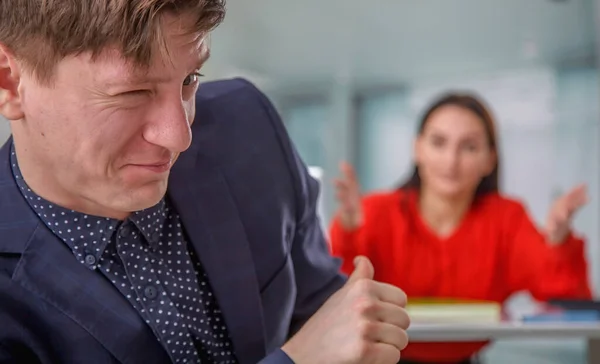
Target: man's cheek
{"type": "Point", "coordinates": [190, 111]}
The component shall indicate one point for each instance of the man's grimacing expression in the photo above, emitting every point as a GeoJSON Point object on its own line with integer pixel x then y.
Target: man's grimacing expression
{"type": "Point", "coordinates": [103, 137]}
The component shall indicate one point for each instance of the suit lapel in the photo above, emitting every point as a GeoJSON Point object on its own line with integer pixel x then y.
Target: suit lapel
{"type": "Point", "coordinates": [213, 225]}
{"type": "Point", "coordinates": [49, 270]}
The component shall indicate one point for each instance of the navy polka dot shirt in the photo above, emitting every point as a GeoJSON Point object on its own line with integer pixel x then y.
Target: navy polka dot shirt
{"type": "Point", "coordinates": [147, 258]}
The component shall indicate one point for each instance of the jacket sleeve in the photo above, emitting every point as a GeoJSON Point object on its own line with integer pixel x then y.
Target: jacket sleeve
{"type": "Point", "coordinates": [276, 357]}
{"type": "Point", "coordinates": [547, 271]}
{"type": "Point", "coordinates": [317, 272]}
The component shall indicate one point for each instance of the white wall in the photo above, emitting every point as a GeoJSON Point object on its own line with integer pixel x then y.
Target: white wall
{"type": "Point", "coordinates": [317, 173]}
{"type": "Point", "coordinates": [4, 130]}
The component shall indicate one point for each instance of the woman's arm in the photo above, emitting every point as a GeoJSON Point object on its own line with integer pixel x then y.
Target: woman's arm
{"type": "Point", "coordinates": [547, 270]}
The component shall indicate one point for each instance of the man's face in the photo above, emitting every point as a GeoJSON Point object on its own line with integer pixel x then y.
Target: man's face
{"type": "Point", "coordinates": [104, 136]}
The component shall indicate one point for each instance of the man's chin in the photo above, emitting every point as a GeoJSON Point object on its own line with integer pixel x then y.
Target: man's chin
{"type": "Point", "coordinates": [147, 195]}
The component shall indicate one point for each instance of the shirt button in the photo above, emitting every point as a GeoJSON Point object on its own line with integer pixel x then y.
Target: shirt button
{"type": "Point", "coordinates": [150, 292]}
{"type": "Point", "coordinates": [90, 259]}
{"type": "Point", "coordinates": [155, 236]}
{"type": "Point", "coordinates": [125, 231]}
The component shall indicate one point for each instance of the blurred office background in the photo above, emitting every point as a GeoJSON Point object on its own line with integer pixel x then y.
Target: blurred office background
{"type": "Point", "coordinates": [350, 79]}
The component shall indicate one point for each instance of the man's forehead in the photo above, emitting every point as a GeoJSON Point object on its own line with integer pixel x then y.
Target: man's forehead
{"type": "Point", "coordinates": [116, 70]}
{"type": "Point", "coordinates": [189, 56]}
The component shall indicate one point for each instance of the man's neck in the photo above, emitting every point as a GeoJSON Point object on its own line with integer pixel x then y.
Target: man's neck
{"type": "Point", "coordinates": [442, 214]}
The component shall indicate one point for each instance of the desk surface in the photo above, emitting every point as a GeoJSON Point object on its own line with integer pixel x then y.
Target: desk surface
{"type": "Point", "coordinates": [453, 332]}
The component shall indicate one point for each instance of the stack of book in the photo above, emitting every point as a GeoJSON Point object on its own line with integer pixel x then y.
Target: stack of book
{"type": "Point", "coordinates": [453, 311]}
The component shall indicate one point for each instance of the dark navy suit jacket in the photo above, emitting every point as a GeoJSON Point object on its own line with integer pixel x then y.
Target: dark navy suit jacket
{"type": "Point", "coordinates": [249, 208]}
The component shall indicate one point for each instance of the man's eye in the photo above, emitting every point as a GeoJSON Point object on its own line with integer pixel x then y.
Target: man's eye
{"type": "Point", "coordinates": [136, 92]}
{"type": "Point", "coordinates": [191, 79]}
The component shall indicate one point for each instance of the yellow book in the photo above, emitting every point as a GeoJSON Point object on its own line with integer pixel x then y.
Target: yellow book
{"type": "Point", "coordinates": [453, 311]}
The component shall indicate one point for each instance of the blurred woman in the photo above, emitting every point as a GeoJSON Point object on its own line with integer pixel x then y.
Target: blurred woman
{"type": "Point", "coordinates": [448, 232]}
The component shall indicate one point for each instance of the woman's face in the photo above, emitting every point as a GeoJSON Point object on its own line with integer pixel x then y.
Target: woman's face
{"type": "Point", "coordinates": [453, 153]}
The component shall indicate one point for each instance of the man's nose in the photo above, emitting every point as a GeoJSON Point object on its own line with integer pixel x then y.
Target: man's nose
{"type": "Point", "coordinates": [170, 127]}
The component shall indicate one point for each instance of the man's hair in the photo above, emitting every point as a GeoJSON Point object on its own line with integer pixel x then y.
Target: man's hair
{"type": "Point", "coordinates": [40, 33]}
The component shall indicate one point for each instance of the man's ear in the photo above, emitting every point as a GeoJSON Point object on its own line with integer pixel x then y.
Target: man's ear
{"type": "Point", "coordinates": [10, 78]}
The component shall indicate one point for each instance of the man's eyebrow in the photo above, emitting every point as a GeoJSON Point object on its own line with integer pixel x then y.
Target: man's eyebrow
{"type": "Point", "coordinates": [135, 80]}
{"type": "Point", "coordinates": [142, 78]}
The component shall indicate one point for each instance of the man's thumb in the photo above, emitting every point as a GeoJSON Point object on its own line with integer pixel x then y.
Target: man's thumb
{"type": "Point", "coordinates": [363, 269]}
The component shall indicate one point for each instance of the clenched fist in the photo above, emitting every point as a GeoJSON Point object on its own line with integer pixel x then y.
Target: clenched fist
{"type": "Point", "coordinates": [364, 322]}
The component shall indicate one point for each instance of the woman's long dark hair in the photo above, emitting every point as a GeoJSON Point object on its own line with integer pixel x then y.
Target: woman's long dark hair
{"type": "Point", "coordinates": [469, 102]}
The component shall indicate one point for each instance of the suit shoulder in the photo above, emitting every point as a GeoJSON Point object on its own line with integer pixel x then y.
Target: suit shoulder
{"type": "Point", "coordinates": [217, 89]}
{"type": "Point", "coordinates": [235, 103]}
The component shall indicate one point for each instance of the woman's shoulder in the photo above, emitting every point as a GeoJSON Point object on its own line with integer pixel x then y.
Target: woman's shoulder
{"type": "Point", "coordinates": [381, 201]}
{"type": "Point", "coordinates": [500, 203]}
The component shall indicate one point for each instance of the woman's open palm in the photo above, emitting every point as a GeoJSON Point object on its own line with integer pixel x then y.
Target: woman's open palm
{"type": "Point", "coordinates": [349, 198]}
{"type": "Point", "coordinates": [558, 224]}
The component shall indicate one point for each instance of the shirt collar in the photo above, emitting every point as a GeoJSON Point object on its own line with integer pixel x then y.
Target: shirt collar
{"type": "Point", "coordinates": [150, 222]}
